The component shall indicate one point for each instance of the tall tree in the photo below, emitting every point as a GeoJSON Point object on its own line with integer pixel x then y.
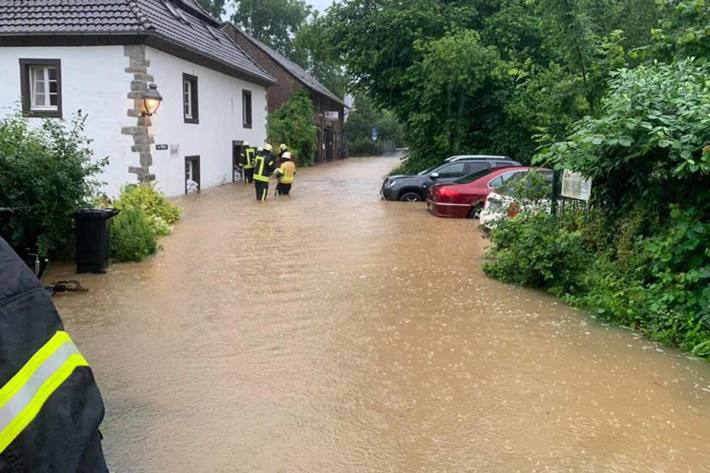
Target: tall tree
{"type": "Point", "coordinates": [214, 7]}
{"type": "Point", "coordinates": [313, 52]}
{"type": "Point", "coordinates": [273, 22]}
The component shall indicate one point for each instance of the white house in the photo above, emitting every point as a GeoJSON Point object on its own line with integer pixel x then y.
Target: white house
{"type": "Point", "coordinates": [101, 57]}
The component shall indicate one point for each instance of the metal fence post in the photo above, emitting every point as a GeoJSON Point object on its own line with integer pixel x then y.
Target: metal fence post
{"type": "Point", "coordinates": [555, 190]}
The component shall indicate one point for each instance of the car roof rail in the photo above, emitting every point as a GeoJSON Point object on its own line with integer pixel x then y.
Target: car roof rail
{"type": "Point", "coordinates": [474, 157]}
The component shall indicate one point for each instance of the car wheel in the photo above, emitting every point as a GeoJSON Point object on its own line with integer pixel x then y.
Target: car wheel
{"type": "Point", "coordinates": [411, 196]}
{"type": "Point", "coordinates": [475, 211]}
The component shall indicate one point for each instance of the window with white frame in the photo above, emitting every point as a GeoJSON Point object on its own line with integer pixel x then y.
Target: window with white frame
{"type": "Point", "coordinates": [41, 87]}
{"type": "Point", "coordinates": [189, 98]}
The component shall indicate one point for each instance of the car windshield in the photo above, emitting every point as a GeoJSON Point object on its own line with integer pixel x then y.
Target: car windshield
{"type": "Point", "coordinates": [427, 170]}
{"type": "Point", "coordinates": [524, 182]}
{"type": "Point", "coordinates": [473, 176]}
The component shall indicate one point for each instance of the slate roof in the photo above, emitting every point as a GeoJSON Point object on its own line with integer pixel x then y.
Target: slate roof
{"type": "Point", "coordinates": [294, 69]}
{"type": "Point", "coordinates": [189, 29]}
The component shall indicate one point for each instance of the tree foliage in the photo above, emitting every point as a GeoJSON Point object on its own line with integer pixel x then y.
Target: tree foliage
{"type": "Point", "coordinates": [650, 141]}
{"type": "Point", "coordinates": [292, 124]}
{"type": "Point", "coordinates": [213, 7]}
{"type": "Point", "coordinates": [683, 30]}
{"type": "Point", "coordinates": [544, 66]}
{"type": "Point", "coordinates": [273, 22]}
{"type": "Point", "coordinates": [314, 53]}
{"type": "Point", "coordinates": [359, 126]}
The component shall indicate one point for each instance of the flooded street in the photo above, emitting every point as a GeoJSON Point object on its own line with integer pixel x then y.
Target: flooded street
{"type": "Point", "coordinates": [334, 332]}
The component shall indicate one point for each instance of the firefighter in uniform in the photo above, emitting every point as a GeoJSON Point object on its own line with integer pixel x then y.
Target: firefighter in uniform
{"type": "Point", "coordinates": [282, 149]}
{"type": "Point", "coordinates": [248, 157]}
{"type": "Point", "coordinates": [264, 166]}
{"type": "Point", "coordinates": [50, 406]}
{"type": "Point", "coordinates": [285, 174]}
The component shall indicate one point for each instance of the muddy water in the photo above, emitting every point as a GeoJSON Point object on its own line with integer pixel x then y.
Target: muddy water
{"type": "Point", "coordinates": [332, 332]}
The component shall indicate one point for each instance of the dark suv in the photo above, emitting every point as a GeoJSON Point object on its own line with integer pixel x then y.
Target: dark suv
{"type": "Point", "coordinates": [414, 188]}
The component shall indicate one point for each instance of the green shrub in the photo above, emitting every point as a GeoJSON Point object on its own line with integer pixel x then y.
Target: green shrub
{"type": "Point", "coordinates": [658, 284]}
{"type": "Point", "coordinates": [649, 145]}
{"type": "Point", "coordinates": [145, 215]}
{"type": "Point", "coordinates": [535, 250]}
{"type": "Point", "coordinates": [292, 124]}
{"type": "Point", "coordinates": [643, 255]}
{"type": "Point", "coordinates": [46, 173]}
{"type": "Point", "coordinates": [132, 235]}
{"type": "Point", "coordinates": [160, 212]}
{"type": "Point", "coordinates": [152, 201]}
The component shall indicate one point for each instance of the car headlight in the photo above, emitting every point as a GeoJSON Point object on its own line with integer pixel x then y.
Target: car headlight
{"type": "Point", "coordinates": [389, 184]}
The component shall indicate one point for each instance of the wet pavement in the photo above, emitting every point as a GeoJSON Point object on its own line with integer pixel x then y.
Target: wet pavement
{"type": "Point", "coordinates": [333, 332]}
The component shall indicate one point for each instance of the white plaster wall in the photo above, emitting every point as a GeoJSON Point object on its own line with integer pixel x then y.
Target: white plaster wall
{"type": "Point", "coordinates": [93, 80]}
{"type": "Point", "coordinates": [220, 116]}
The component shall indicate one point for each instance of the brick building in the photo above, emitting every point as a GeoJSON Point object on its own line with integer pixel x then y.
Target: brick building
{"type": "Point", "coordinates": [329, 108]}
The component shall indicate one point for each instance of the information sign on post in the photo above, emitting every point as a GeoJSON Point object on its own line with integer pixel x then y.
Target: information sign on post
{"type": "Point", "coordinates": [332, 116]}
{"type": "Point", "coordinates": [576, 186]}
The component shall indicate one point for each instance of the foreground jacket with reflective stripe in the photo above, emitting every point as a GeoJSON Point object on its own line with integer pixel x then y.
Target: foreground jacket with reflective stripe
{"type": "Point", "coordinates": [265, 165]}
{"type": "Point", "coordinates": [50, 406]}
{"type": "Point", "coordinates": [287, 171]}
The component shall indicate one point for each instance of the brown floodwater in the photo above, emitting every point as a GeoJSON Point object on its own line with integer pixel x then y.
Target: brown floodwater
{"type": "Point", "coordinates": [334, 332]}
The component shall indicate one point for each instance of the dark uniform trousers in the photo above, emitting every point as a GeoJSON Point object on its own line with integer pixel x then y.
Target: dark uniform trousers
{"type": "Point", "coordinates": [283, 189]}
{"type": "Point", "coordinates": [248, 175]}
{"type": "Point", "coordinates": [262, 189]}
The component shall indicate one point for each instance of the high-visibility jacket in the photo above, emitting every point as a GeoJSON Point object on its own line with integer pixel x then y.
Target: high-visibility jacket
{"type": "Point", "coordinates": [287, 172]}
{"type": "Point", "coordinates": [265, 165]}
{"type": "Point", "coordinates": [249, 158]}
{"type": "Point", "coordinates": [50, 406]}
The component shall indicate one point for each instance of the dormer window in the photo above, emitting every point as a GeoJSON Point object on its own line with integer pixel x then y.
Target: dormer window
{"type": "Point", "coordinates": [212, 32]}
{"type": "Point", "coordinates": [176, 12]}
{"type": "Point", "coordinates": [41, 87]}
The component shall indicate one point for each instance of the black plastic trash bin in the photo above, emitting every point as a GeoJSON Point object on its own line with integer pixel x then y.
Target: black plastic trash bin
{"type": "Point", "coordinates": [92, 231]}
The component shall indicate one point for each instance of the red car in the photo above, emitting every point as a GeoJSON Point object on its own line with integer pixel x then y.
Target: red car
{"type": "Point", "coordinates": [464, 198]}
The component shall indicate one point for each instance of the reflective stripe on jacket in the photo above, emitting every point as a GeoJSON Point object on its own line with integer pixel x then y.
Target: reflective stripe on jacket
{"type": "Point", "coordinates": [50, 406]}
{"type": "Point", "coordinates": [287, 172]}
{"type": "Point", "coordinates": [249, 158]}
{"type": "Point", "coordinates": [264, 166]}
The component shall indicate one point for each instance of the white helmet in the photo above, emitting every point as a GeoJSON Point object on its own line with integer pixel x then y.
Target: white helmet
{"type": "Point", "coordinates": [260, 149]}
{"type": "Point", "coordinates": [245, 144]}
{"type": "Point", "coordinates": [286, 155]}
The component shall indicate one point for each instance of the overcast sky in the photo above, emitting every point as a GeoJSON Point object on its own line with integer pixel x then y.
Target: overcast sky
{"type": "Point", "coordinates": [320, 4]}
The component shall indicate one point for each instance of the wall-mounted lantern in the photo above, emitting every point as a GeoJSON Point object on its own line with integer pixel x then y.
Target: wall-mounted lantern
{"type": "Point", "coordinates": [151, 100]}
